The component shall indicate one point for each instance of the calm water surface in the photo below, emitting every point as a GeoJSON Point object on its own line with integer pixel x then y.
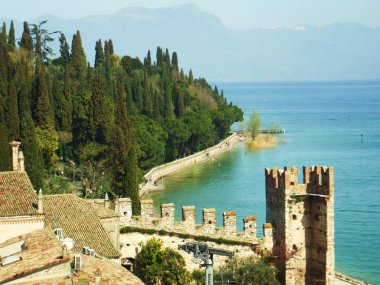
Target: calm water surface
{"type": "Point", "coordinates": [324, 122]}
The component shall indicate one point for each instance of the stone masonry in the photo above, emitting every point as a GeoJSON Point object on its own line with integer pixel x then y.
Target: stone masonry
{"type": "Point", "coordinates": [302, 216]}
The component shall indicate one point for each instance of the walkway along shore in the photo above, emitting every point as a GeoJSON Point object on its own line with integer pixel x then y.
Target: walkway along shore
{"type": "Point", "coordinates": [180, 164]}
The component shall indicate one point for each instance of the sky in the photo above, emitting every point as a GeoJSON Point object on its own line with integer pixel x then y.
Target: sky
{"type": "Point", "coordinates": [235, 14]}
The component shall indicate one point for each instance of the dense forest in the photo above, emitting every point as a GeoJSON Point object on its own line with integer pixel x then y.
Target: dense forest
{"type": "Point", "coordinates": [105, 124]}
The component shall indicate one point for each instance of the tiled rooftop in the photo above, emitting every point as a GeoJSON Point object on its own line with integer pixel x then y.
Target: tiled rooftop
{"type": "Point", "coordinates": [101, 211]}
{"type": "Point", "coordinates": [17, 197]}
{"type": "Point", "coordinates": [79, 221]}
{"type": "Point", "coordinates": [42, 250]}
{"type": "Point", "coordinates": [111, 272]}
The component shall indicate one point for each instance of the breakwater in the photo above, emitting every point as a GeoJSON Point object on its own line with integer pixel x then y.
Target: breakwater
{"type": "Point", "coordinates": [155, 174]}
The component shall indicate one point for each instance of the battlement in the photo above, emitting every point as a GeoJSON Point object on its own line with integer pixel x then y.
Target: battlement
{"type": "Point", "coordinates": [316, 180]}
{"type": "Point", "coordinates": [166, 221]}
{"type": "Point", "coordinates": [302, 216]}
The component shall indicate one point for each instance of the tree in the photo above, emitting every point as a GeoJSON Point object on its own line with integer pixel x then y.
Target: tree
{"type": "Point", "coordinates": [254, 124]}
{"type": "Point", "coordinates": [191, 79]}
{"type": "Point", "coordinates": [78, 58]}
{"type": "Point", "coordinates": [34, 164]}
{"type": "Point", "coordinates": [157, 265]}
{"type": "Point", "coordinates": [11, 37]}
{"type": "Point", "coordinates": [117, 154]}
{"type": "Point", "coordinates": [248, 271]}
{"type": "Point", "coordinates": [132, 180]}
{"type": "Point", "coordinates": [26, 40]}
{"type": "Point", "coordinates": [44, 113]}
{"type": "Point", "coordinates": [4, 154]}
{"type": "Point", "coordinates": [64, 49]}
{"type": "Point", "coordinates": [42, 38]}
{"type": "Point", "coordinates": [99, 54]}
{"type": "Point", "coordinates": [100, 114]}
{"type": "Point", "coordinates": [175, 61]}
{"type": "Point", "coordinates": [13, 116]}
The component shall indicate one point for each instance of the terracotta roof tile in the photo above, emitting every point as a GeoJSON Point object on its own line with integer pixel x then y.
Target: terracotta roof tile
{"type": "Point", "coordinates": [111, 272]}
{"type": "Point", "coordinates": [42, 250]}
{"type": "Point", "coordinates": [17, 197]}
{"type": "Point", "coordinates": [79, 221]}
{"type": "Point", "coordinates": [102, 212]}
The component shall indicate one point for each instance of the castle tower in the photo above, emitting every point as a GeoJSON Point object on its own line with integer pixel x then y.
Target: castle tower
{"type": "Point", "coordinates": [302, 216]}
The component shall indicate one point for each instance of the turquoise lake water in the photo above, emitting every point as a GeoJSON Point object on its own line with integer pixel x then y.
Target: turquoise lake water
{"type": "Point", "coordinates": [324, 122]}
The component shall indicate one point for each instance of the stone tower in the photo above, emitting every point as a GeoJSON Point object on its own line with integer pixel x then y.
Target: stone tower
{"type": "Point", "coordinates": [302, 216]}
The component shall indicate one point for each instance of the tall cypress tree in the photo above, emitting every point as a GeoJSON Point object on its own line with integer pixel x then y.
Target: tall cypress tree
{"type": "Point", "coordinates": [64, 49]}
{"type": "Point", "coordinates": [175, 61]}
{"type": "Point", "coordinates": [44, 114]}
{"type": "Point", "coordinates": [33, 158]}
{"type": "Point", "coordinates": [67, 123]}
{"type": "Point", "coordinates": [11, 37]}
{"type": "Point", "coordinates": [191, 79]}
{"type": "Point", "coordinates": [78, 58]}
{"type": "Point", "coordinates": [122, 117]}
{"type": "Point", "coordinates": [12, 115]}
{"type": "Point", "coordinates": [99, 116]}
{"type": "Point", "coordinates": [4, 146]}
{"type": "Point", "coordinates": [132, 184]}
{"type": "Point", "coordinates": [99, 54]}
{"type": "Point", "coordinates": [117, 152]}
{"type": "Point", "coordinates": [168, 102]}
{"type": "Point", "coordinates": [26, 40]}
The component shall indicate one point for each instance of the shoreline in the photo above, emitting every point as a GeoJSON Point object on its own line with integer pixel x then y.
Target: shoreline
{"type": "Point", "coordinates": [178, 165]}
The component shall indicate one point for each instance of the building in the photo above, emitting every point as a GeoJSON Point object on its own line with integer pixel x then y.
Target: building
{"type": "Point", "coordinates": [302, 217]}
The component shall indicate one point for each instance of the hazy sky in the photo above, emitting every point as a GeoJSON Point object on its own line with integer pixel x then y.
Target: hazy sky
{"type": "Point", "coordinates": [234, 13]}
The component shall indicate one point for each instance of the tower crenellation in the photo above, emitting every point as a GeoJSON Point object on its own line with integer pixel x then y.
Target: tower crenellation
{"type": "Point", "coordinates": [302, 216]}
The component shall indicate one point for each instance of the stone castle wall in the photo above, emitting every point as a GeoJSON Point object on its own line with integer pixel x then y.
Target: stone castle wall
{"type": "Point", "coordinates": [302, 216]}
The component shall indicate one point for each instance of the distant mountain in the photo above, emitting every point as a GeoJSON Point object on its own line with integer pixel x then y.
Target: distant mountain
{"type": "Point", "coordinates": [339, 51]}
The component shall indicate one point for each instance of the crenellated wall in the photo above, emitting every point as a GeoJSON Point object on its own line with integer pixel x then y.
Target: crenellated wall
{"type": "Point", "coordinates": [166, 221]}
{"type": "Point", "coordinates": [302, 216]}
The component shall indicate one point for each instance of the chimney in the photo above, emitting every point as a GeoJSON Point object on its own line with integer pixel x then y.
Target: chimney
{"type": "Point", "coordinates": [21, 161]}
{"type": "Point", "coordinates": [15, 163]}
{"type": "Point", "coordinates": [106, 201]}
{"type": "Point", "coordinates": [40, 203]}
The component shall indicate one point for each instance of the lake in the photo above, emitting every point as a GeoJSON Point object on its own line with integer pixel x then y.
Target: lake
{"type": "Point", "coordinates": [327, 123]}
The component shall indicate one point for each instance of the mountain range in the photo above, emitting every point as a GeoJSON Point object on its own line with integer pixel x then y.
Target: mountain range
{"type": "Point", "coordinates": [340, 51]}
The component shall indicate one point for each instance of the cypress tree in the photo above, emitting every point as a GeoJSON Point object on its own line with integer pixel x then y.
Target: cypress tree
{"type": "Point", "coordinates": [99, 116]}
{"type": "Point", "coordinates": [99, 54]}
{"type": "Point", "coordinates": [11, 37]}
{"type": "Point", "coordinates": [167, 57]}
{"type": "Point", "coordinates": [64, 49]}
{"type": "Point", "coordinates": [78, 58]}
{"type": "Point", "coordinates": [180, 105]}
{"type": "Point", "coordinates": [191, 79]}
{"type": "Point", "coordinates": [147, 99]}
{"type": "Point", "coordinates": [148, 59]}
{"type": "Point", "coordinates": [26, 40]}
{"type": "Point", "coordinates": [159, 56]}
{"type": "Point", "coordinates": [168, 102]}
{"type": "Point", "coordinates": [110, 43]}
{"type": "Point", "coordinates": [12, 114]}
{"type": "Point", "coordinates": [67, 123]}
{"type": "Point", "coordinates": [132, 184]}
{"type": "Point", "coordinates": [44, 113]}
{"type": "Point", "coordinates": [33, 158]}
{"type": "Point", "coordinates": [175, 61]}
{"type": "Point", "coordinates": [122, 117]}
{"type": "Point", "coordinates": [4, 146]}
{"type": "Point", "coordinates": [117, 160]}
{"type": "Point", "coordinates": [107, 62]}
